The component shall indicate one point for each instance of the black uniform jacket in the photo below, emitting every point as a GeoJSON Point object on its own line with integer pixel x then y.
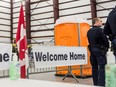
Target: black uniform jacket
{"type": "Point", "coordinates": [110, 26]}
{"type": "Point", "coordinates": [97, 37]}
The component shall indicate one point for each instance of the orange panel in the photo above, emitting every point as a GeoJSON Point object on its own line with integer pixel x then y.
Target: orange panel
{"type": "Point", "coordinates": [63, 72]}
{"type": "Point", "coordinates": [67, 35]}
{"type": "Point", "coordinates": [84, 27]}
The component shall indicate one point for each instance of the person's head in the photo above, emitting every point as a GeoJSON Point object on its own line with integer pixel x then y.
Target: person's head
{"type": "Point", "coordinates": [97, 22]}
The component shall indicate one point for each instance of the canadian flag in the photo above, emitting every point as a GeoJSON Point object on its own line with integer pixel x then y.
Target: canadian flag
{"type": "Point", "coordinates": [21, 42]}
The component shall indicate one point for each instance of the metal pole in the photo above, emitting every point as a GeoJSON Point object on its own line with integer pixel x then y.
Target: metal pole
{"type": "Point", "coordinates": [56, 9]}
{"type": "Point", "coordinates": [11, 21]}
{"type": "Point", "coordinates": [93, 9]}
{"type": "Point", "coordinates": [28, 27]}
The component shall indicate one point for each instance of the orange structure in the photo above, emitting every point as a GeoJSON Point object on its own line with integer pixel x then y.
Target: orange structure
{"type": "Point", "coordinates": [71, 31]}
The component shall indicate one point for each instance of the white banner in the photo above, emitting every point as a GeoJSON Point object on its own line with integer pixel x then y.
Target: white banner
{"type": "Point", "coordinates": [52, 56]}
{"type": "Point", "coordinates": [5, 55]}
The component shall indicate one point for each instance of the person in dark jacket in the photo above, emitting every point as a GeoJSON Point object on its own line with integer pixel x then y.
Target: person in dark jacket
{"type": "Point", "coordinates": [98, 46]}
{"type": "Point", "coordinates": [110, 28]}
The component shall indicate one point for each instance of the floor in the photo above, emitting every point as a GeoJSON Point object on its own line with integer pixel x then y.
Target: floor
{"type": "Point", "coordinates": [52, 77]}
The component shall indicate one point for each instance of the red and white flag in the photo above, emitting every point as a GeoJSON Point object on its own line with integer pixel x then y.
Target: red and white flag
{"type": "Point", "coordinates": [21, 42]}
